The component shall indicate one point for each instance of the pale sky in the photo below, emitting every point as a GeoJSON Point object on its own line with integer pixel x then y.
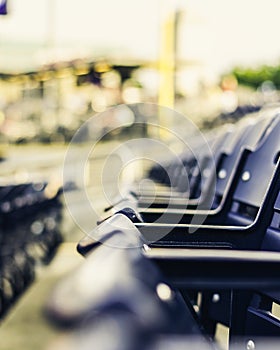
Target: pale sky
{"type": "Point", "coordinates": [218, 33]}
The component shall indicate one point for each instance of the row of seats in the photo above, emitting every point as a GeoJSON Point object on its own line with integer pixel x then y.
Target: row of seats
{"type": "Point", "coordinates": [164, 270]}
{"type": "Point", "coordinates": [30, 216]}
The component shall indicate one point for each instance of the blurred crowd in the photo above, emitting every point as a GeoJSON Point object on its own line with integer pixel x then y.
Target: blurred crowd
{"type": "Point", "coordinates": [50, 104]}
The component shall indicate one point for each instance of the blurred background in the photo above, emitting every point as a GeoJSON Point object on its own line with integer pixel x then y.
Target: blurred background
{"type": "Point", "coordinates": [63, 62]}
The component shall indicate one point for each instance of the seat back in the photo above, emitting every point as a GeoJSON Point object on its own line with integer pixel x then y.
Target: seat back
{"type": "Point", "coordinates": [229, 161]}
{"type": "Point", "coordinates": [255, 176]}
{"type": "Point", "coordinates": [201, 178]}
